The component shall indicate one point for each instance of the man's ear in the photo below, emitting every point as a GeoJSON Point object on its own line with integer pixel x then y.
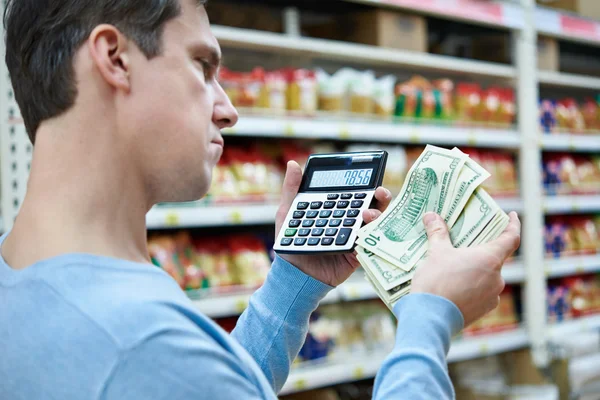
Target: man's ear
{"type": "Point", "coordinates": [109, 50]}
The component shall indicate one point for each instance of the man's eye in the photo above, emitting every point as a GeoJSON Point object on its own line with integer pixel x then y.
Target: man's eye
{"type": "Point", "coordinates": [206, 67]}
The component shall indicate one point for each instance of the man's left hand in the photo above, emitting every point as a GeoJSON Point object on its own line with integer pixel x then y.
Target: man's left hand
{"type": "Point", "coordinates": [329, 269]}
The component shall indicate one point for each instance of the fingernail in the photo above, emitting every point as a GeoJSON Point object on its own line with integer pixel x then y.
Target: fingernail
{"type": "Point", "coordinates": [387, 192]}
{"type": "Point", "coordinates": [429, 218]}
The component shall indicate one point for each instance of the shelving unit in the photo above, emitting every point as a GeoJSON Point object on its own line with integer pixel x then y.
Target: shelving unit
{"type": "Point", "coordinates": [315, 375]}
{"type": "Point", "coordinates": [524, 22]}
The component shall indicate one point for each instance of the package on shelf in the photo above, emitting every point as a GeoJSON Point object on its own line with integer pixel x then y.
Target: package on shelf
{"type": "Point", "coordinates": [502, 318]}
{"type": "Point", "coordinates": [418, 98]}
{"type": "Point", "coordinates": [494, 106]}
{"type": "Point", "coordinates": [246, 175]}
{"type": "Point", "coordinates": [568, 116]}
{"type": "Point", "coordinates": [566, 236]}
{"type": "Point", "coordinates": [573, 297]}
{"type": "Point", "coordinates": [565, 173]}
{"type": "Point", "coordinates": [501, 165]}
{"type": "Point", "coordinates": [349, 330]}
{"type": "Point", "coordinates": [202, 263]}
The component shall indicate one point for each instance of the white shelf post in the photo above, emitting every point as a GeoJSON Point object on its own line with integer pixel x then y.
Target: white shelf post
{"type": "Point", "coordinates": [531, 190]}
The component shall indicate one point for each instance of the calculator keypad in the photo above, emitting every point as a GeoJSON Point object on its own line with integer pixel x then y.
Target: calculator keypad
{"type": "Point", "coordinates": [323, 223]}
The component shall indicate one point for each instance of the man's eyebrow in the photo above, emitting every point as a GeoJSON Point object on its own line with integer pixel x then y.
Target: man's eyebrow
{"type": "Point", "coordinates": [212, 53]}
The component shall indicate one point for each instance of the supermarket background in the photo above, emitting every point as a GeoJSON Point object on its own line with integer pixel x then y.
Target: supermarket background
{"type": "Point", "coordinates": [515, 84]}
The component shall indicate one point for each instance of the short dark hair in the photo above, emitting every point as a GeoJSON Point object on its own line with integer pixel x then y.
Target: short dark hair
{"type": "Point", "coordinates": [42, 37]}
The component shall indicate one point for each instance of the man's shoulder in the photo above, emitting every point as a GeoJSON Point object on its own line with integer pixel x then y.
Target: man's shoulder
{"type": "Point", "coordinates": [128, 301]}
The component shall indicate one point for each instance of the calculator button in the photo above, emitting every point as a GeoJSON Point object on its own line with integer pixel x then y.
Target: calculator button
{"type": "Point", "coordinates": [335, 222]}
{"type": "Point", "coordinates": [290, 232]}
{"type": "Point", "coordinates": [346, 196]}
{"type": "Point", "coordinates": [294, 223]}
{"type": "Point", "coordinates": [339, 213]}
{"type": "Point", "coordinates": [325, 214]}
{"type": "Point", "coordinates": [317, 231]}
{"type": "Point", "coordinates": [349, 222]}
{"type": "Point", "coordinates": [315, 205]}
{"type": "Point", "coordinates": [286, 241]}
{"type": "Point", "coordinates": [353, 213]}
{"type": "Point", "coordinates": [322, 222]}
{"type": "Point", "coordinates": [307, 223]}
{"type": "Point", "coordinates": [343, 204]}
{"type": "Point", "coordinates": [300, 241]}
{"type": "Point", "coordinates": [360, 196]}
{"type": "Point", "coordinates": [302, 205]}
{"type": "Point", "coordinates": [312, 214]}
{"type": "Point", "coordinates": [299, 214]}
{"type": "Point", "coordinates": [357, 203]}
{"type": "Point", "coordinates": [343, 237]}
{"type": "Point", "coordinates": [331, 232]}
{"type": "Point", "coordinates": [333, 196]}
{"type": "Point", "coordinates": [303, 232]}
{"type": "Point", "coordinates": [313, 241]}
{"type": "Point", "coordinates": [329, 204]}
{"type": "Point", "coordinates": [327, 241]}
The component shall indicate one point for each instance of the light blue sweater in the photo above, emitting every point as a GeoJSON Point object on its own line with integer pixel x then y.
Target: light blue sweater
{"type": "Point", "coordinates": [84, 327]}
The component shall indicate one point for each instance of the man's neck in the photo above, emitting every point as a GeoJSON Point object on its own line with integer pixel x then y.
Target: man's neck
{"type": "Point", "coordinates": [82, 197]}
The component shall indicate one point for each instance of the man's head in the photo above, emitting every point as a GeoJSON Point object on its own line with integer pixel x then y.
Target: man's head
{"type": "Point", "coordinates": [145, 68]}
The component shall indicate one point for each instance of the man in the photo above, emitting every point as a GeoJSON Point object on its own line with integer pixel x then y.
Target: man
{"type": "Point", "coordinates": [122, 103]}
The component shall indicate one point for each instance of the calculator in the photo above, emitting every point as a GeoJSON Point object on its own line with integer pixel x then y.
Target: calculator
{"type": "Point", "coordinates": [327, 212]}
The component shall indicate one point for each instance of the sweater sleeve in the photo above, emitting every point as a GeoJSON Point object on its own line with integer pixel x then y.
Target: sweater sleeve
{"type": "Point", "coordinates": [274, 326]}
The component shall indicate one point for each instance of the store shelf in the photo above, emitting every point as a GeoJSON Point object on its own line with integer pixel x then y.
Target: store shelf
{"type": "Point", "coordinates": [479, 346]}
{"type": "Point", "coordinates": [571, 204]}
{"type": "Point", "coordinates": [372, 55]}
{"type": "Point", "coordinates": [571, 142]}
{"type": "Point", "coordinates": [550, 78]}
{"type": "Point", "coordinates": [188, 217]}
{"type": "Point", "coordinates": [571, 27]}
{"type": "Point", "coordinates": [372, 131]}
{"type": "Point", "coordinates": [326, 374]}
{"type": "Point", "coordinates": [575, 326]}
{"type": "Point", "coordinates": [496, 14]}
{"type": "Point", "coordinates": [510, 204]}
{"type": "Point", "coordinates": [572, 265]}
{"type": "Point", "coordinates": [354, 289]}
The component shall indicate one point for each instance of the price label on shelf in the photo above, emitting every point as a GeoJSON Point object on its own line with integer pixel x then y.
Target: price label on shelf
{"type": "Point", "coordinates": [571, 145]}
{"type": "Point", "coordinates": [484, 349]}
{"type": "Point", "coordinates": [344, 132]}
{"type": "Point", "coordinates": [579, 269]}
{"type": "Point", "coordinates": [575, 206]}
{"type": "Point", "coordinates": [471, 139]}
{"type": "Point", "coordinates": [230, 131]}
{"type": "Point", "coordinates": [236, 217]}
{"type": "Point", "coordinates": [358, 373]}
{"type": "Point", "coordinates": [172, 219]}
{"type": "Point", "coordinates": [547, 271]}
{"type": "Point", "coordinates": [241, 305]}
{"type": "Point", "coordinates": [353, 293]}
{"type": "Point", "coordinates": [414, 136]}
{"type": "Point", "coordinates": [288, 130]}
{"type": "Point", "coordinates": [300, 384]}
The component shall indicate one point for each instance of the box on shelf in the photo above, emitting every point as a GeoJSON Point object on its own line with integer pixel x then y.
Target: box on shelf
{"type": "Point", "coordinates": [390, 29]}
{"type": "Point", "coordinates": [239, 15]}
{"type": "Point", "coordinates": [499, 48]}
{"type": "Point", "coordinates": [585, 8]}
{"type": "Point", "coordinates": [548, 54]}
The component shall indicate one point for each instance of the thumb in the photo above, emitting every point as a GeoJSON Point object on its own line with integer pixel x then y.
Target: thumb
{"type": "Point", "coordinates": [291, 184]}
{"type": "Point", "coordinates": [437, 231]}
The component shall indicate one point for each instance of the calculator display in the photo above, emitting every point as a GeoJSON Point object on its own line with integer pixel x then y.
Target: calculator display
{"type": "Point", "coordinates": [341, 178]}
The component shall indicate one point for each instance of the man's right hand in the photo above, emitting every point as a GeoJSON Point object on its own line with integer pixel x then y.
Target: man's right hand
{"type": "Point", "coordinates": [469, 277]}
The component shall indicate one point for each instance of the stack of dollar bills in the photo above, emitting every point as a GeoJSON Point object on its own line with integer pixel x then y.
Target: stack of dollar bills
{"type": "Point", "coordinates": [445, 182]}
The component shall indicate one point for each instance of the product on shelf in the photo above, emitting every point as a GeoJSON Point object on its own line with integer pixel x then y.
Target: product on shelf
{"type": "Point", "coordinates": [503, 181]}
{"type": "Point", "coordinates": [209, 262]}
{"type": "Point", "coordinates": [502, 318]}
{"type": "Point", "coordinates": [349, 330]}
{"type": "Point", "coordinates": [567, 236]}
{"type": "Point", "coordinates": [568, 116]}
{"type": "Point", "coordinates": [361, 93]}
{"type": "Point", "coordinates": [573, 297]}
{"type": "Point", "coordinates": [571, 174]}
